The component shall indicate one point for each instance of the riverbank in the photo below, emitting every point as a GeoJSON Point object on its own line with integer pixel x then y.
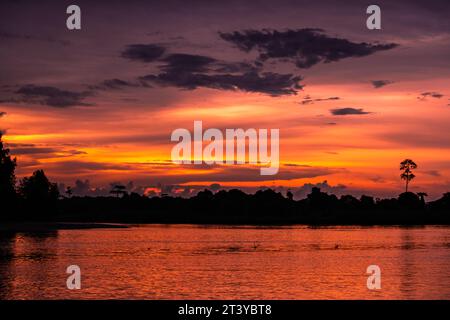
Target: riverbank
{"type": "Point", "coordinates": [50, 226]}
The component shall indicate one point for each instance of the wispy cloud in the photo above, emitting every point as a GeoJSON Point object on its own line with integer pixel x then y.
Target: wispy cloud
{"type": "Point", "coordinates": [50, 96]}
{"type": "Point", "coordinates": [308, 100]}
{"type": "Point", "coordinates": [143, 52]}
{"type": "Point", "coordinates": [380, 83]}
{"type": "Point", "coordinates": [430, 94]}
{"type": "Point", "coordinates": [348, 111]}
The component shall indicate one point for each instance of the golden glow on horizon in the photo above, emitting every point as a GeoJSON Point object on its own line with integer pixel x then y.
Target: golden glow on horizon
{"type": "Point", "coordinates": [359, 151]}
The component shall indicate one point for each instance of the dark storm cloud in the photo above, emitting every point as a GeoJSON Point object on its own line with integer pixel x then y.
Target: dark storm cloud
{"type": "Point", "coordinates": [305, 47]}
{"type": "Point", "coordinates": [143, 52]}
{"type": "Point", "coordinates": [380, 83]}
{"type": "Point", "coordinates": [50, 96]}
{"type": "Point", "coordinates": [194, 71]}
{"type": "Point", "coordinates": [431, 94]}
{"type": "Point", "coordinates": [348, 111]}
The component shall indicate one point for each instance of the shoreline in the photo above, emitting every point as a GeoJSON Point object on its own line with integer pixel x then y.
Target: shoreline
{"type": "Point", "coordinates": [53, 226]}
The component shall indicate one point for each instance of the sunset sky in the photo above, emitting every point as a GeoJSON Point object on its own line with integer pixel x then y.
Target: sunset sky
{"type": "Point", "coordinates": [99, 104]}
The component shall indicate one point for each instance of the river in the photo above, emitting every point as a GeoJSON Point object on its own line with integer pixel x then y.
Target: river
{"type": "Point", "coordinates": [227, 262]}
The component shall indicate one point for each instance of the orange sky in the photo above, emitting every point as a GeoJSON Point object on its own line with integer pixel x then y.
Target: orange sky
{"type": "Point", "coordinates": [124, 135]}
{"type": "Point", "coordinates": [361, 152]}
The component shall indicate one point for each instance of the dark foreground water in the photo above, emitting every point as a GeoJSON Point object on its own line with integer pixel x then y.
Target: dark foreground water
{"type": "Point", "coordinates": [217, 262]}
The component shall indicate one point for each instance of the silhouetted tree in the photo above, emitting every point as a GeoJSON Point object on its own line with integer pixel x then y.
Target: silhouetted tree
{"type": "Point", "coordinates": [407, 165]}
{"type": "Point", "coordinates": [69, 191]}
{"type": "Point", "coordinates": [263, 207]}
{"type": "Point", "coordinates": [7, 176]}
{"type": "Point", "coordinates": [38, 195]}
{"type": "Point", "coordinates": [266, 206]}
{"type": "Point", "coordinates": [290, 195]}
{"type": "Point", "coordinates": [409, 202]}
{"type": "Point", "coordinates": [422, 196]}
{"type": "Point", "coordinates": [367, 201]}
{"type": "Point", "coordinates": [38, 188]}
{"type": "Point", "coordinates": [205, 195]}
{"type": "Point", "coordinates": [118, 190]}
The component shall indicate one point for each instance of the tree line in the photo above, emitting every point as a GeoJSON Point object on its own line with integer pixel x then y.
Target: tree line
{"type": "Point", "coordinates": [35, 198]}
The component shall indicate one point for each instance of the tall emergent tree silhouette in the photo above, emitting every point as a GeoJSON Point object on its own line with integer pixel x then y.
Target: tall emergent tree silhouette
{"type": "Point", "coordinates": [407, 166]}
{"type": "Point", "coordinates": [7, 176]}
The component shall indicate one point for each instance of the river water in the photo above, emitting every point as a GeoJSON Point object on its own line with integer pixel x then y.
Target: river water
{"type": "Point", "coordinates": [227, 262]}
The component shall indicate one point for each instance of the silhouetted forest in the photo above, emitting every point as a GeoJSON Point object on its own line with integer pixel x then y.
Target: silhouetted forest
{"type": "Point", "coordinates": [35, 198]}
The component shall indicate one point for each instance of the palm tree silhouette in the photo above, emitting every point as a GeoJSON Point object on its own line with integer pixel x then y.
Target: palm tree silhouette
{"type": "Point", "coordinates": [407, 165]}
